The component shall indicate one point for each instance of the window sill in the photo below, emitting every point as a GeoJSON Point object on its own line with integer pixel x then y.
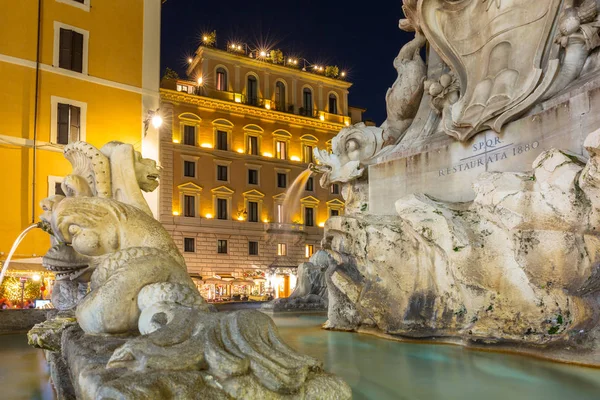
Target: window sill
{"type": "Point", "coordinates": [85, 7]}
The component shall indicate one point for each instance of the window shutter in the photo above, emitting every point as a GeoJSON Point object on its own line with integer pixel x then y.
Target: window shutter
{"type": "Point", "coordinates": [77, 53]}
{"type": "Point", "coordinates": [75, 123]}
{"type": "Point", "coordinates": [65, 52]}
{"type": "Point", "coordinates": [62, 131]}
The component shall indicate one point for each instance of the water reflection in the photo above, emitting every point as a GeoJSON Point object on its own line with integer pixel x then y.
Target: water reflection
{"type": "Point", "coordinates": [383, 369]}
{"type": "Point", "coordinates": [375, 368]}
{"type": "Point", "coordinates": [23, 370]}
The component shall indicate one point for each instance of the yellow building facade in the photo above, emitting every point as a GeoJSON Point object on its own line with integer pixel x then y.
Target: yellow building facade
{"type": "Point", "coordinates": [69, 70]}
{"type": "Point", "coordinates": [237, 134]}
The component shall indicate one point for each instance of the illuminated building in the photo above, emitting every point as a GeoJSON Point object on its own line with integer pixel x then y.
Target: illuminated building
{"type": "Point", "coordinates": [237, 134]}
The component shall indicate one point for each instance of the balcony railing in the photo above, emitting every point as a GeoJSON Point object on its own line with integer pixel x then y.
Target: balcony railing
{"type": "Point", "coordinates": [277, 226]}
{"type": "Point", "coordinates": [257, 102]}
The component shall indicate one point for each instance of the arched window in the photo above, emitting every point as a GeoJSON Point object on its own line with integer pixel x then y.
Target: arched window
{"type": "Point", "coordinates": [252, 90]}
{"type": "Point", "coordinates": [333, 103]}
{"type": "Point", "coordinates": [221, 79]}
{"type": "Point", "coordinates": [307, 102]}
{"type": "Point", "coordinates": [280, 96]}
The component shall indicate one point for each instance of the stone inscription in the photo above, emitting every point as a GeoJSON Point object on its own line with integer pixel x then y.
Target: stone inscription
{"type": "Point", "coordinates": [487, 152]}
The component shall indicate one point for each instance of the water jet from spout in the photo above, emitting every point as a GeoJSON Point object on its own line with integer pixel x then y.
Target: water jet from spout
{"type": "Point", "coordinates": [14, 248]}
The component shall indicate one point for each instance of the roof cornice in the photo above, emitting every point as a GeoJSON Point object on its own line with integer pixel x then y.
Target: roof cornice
{"type": "Point", "coordinates": [265, 66]}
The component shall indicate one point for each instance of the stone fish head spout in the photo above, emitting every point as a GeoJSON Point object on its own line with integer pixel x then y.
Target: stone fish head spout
{"type": "Point", "coordinates": [147, 173]}
{"type": "Point", "coordinates": [352, 149]}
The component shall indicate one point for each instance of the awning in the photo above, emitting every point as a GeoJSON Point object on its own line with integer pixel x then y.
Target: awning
{"type": "Point", "coordinates": [282, 262]}
{"type": "Point", "coordinates": [27, 264]}
{"type": "Point", "coordinates": [241, 282]}
{"type": "Point", "coordinates": [215, 281]}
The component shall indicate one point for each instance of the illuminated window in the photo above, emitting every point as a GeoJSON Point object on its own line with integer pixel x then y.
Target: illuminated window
{"type": "Point", "coordinates": [308, 154]}
{"type": "Point", "coordinates": [182, 88]}
{"type": "Point", "coordinates": [189, 245]}
{"type": "Point", "coordinates": [281, 249]}
{"type": "Point", "coordinates": [252, 145]}
{"type": "Point", "coordinates": [308, 250]}
{"type": "Point", "coordinates": [281, 149]}
{"type": "Point", "coordinates": [221, 79]}
{"type": "Point", "coordinates": [222, 246]}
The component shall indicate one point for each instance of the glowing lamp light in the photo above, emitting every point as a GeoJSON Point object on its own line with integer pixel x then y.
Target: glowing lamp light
{"type": "Point", "coordinates": [295, 158]}
{"type": "Point", "coordinates": [205, 38]}
{"type": "Point", "coordinates": [200, 81]}
{"type": "Point", "coordinates": [157, 121]}
{"type": "Point", "coordinates": [237, 98]}
{"type": "Point", "coordinates": [190, 60]}
{"type": "Point", "coordinates": [240, 151]}
{"type": "Point", "coordinates": [240, 218]}
{"type": "Point", "coordinates": [36, 277]}
{"type": "Point", "coordinates": [316, 67]}
{"type": "Point", "coordinates": [233, 46]}
{"type": "Point", "coordinates": [290, 60]}
{"type": "Point", "coordinates": [322, 117]}
{"type": "Point", "coordinates": [263, 53]}
{"type": "Point", "coordinates": [322, 225]}
{"type": "Point", "coordinates": [209, 216]}
{"type": "Point", "coordinates": [175, 140]}
{"type": "Point", "coordinates": [347, 123]}
{"type": "Point", "coordinates": [239, 47]}
{"type": "Point", "coordinates": [267, 154]}
{"type": "Point", "coordinates": [206, 145]}
{"type": "Point", "coordinates": [343, 73]}
{"type": "Point", "coordinates": [266, 220]}
{"type": "Point", "coordinates": [175, 213]}
{"type": "Point", "coordinates": [268, 106]}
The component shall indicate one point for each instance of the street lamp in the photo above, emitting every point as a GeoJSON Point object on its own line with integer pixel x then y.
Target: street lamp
{"type": "Point", "coordinates": [154, 118]}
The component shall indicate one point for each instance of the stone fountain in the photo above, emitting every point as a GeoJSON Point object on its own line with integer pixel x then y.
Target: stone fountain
{"type": "Point", "coordinates": [473, 212]}
{"type": "Point", "coordinates": [131, 323]}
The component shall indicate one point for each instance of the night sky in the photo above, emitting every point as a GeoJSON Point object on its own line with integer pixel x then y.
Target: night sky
{"type": "Point", "coordinates": [362, 40]}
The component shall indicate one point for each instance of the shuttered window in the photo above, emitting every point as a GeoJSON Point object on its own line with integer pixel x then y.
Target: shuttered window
{"type": "Point", "coordinates": [222, 208]}
{"type": "Point", "coordinates": [252, 211]}
{"type": "Point", "coordinates": [189, 135]}
{"type": "Point", "coordinates": [189, 206]}
{"type": "Point", "coordinates": [222, 140]}
{"type": "Point", "coordinates": [71, 50]}
{"type": "Point", "coordinates": [69, 123]}
{"type": "Point", "coordinates": [309, 213]}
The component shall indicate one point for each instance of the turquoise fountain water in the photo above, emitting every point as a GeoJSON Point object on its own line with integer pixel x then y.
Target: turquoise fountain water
{"type": "Point", "coordinates": [375, 368]}
{"type": "Point", "coordinates": [383, 369]}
